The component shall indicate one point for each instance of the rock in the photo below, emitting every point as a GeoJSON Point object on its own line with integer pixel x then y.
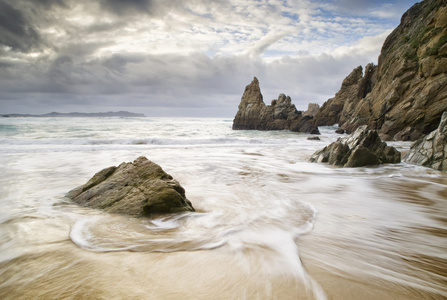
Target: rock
{"type": "Point", "coordinates": [408, 134]}
{"type": "Point", "coordinates": [431, 151]}
{"type": "Point", "coordinates": [313, 138]}
{"type": "Point", "coordinates": [362, 148]}
{"type": "Point", "coordinates": [312, 110]}
{"type": "Point", "coordinates": [405, 95]}
{"type": "Point", "coordinates": [138, 188]}
{"type": "Point", "coordinates": [352, 89]}
{"type": "Point", "coordinates": [280, 115]}
{"type": "Point", "coordinates": [340, 131]}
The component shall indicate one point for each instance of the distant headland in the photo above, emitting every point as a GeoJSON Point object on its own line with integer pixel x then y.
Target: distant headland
{"type": "Point", "coordinates": [77, 114]}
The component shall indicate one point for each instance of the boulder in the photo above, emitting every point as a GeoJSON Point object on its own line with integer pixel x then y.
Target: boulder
{"type": "Point", "coordinates": [362, 148]}
{"type": "Point", "coordinates": [280, 115]}
{"type": "Point", "coordinates": [138, 189]}
{"type": "Point", "coordinates": [431, 151]}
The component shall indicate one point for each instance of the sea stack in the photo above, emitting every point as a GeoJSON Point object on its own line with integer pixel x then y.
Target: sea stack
{"type": "Point", "coordinates": [280, 115]}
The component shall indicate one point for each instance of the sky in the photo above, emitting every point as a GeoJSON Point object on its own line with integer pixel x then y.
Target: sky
{"type": "Point", "coordinates": [182, 58]}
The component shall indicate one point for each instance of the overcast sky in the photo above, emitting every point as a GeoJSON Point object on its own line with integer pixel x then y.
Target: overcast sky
{"type": "Point", "coordinates": [180, 57]}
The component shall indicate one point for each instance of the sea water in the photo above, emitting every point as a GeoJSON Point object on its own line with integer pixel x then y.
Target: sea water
{"type": "Point", "coordinates": [265, 217]}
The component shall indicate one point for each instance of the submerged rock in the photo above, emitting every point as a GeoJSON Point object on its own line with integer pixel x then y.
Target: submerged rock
{"type": "Point", "coordinates": [362, 148]}
{"type": "Point", "coordinates": [431, 151]}
{"type": "Point", "coordinates": [138, 188]}
{"type": "Point", "coordinates": [313, 138]}
{"type": "Point", "coordinates": [281, 114]}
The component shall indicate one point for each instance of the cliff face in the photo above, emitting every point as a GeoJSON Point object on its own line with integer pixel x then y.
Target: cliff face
{"type": "Point", "coordinates": [354, 88]}
{"type": "Point", "coordinates": [281, 114]}
{"type": "Point", "coordinates": [405, 95]}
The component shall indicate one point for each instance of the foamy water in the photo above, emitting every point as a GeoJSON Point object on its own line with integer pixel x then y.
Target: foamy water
{"type": "Point", "coordinates": [263, 214]}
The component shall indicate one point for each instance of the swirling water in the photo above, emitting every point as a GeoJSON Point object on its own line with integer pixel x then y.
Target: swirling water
{"type": "Point", "coordinates": [269, 224]}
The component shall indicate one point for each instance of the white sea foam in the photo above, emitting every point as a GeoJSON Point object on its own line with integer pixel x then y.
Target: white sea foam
{"type": "Point", "coordinates": [256, 195]}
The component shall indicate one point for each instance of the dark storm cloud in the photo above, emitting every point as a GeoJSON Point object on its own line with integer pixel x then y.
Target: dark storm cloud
{"type": "Point", "coordinates": [130, 6]}
{"type": "Point", "coordinates": [104, 27]}
{"type": "Point", "coordinates": [118, 62]}
{"type": "Point", "coordinates": [50, 3]}
{"type": "Point", "coordinates": [19, 22]}
{"type": "Point", "coordinates": [156, 8]}
{"type": "Point", "coordinates": [16, 30]}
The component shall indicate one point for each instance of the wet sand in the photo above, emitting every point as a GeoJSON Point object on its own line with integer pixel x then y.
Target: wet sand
{"type": "Point", "coordinates": [68, 273]}
{"type": "Point", "coordinates": [403, 259]}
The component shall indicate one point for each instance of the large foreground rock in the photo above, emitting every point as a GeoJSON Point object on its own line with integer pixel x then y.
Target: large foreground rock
{"type": "Point", "coordinates": [280, 115]}
{"type": "Point", "coordinates": [431, 151]}
{"type": "Point", "coordinates": [138, 188]}
{"type": "Point", "coordinates": [363, 148]}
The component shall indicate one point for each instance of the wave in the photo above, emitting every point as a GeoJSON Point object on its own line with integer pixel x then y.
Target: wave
{"type": "Point", "coordinates": [156, 141]}
{"type": "Point", "coordinates": [159, 235]}
{"type": "Point", "coordinates": [195, 231]}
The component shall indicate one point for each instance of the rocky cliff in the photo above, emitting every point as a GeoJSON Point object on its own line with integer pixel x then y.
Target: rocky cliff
{"type": "Point", "coordinates": [281, 114]}
{"type": "Point", "coordinates": [404, 96]}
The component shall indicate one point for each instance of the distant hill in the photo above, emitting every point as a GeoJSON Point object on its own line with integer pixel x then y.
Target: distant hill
{"type": "Point", "coordinates": [81, 115]}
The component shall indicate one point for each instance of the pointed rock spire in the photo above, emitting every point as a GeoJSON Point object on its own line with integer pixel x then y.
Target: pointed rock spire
{"type": "Point", "coordinates": [282, 114]}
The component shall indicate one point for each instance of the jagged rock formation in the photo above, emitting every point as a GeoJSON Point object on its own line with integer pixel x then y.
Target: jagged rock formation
{"type": "Point", "coordinates": [138, 188]}
{"type": "Point", "coordinates": [362, 148]}
{"type": "Point", "coordinates": [354, 87]}
{"type": "Point", "coordinates": [404, 96]}
{"type": "Point", "coordinates": [431, 151]}
{"type": "Point", "coordinates": [312, 109]}
{"type": "Point", "coordinates": [281, 114]}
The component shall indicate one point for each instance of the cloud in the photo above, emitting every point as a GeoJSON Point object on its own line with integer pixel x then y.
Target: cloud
{"type": "Point", "coordinates": [258, 48]}
{"type": "Point", "coordinates": [151, 7]}
{"type": "Point", "coordinates": [177, 54]}
{"type": "Point", "coordinates": [16, 31]}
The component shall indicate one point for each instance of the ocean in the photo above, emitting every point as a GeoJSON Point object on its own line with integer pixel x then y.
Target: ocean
{"type": "Point", "coordinates": [268, 223]}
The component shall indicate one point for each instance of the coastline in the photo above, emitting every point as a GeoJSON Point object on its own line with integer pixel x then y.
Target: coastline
{"type": "Point", "coordinates": [372, 225]}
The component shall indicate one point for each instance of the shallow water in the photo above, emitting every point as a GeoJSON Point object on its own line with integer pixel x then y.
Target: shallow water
{"type": "Point", "coordinates": [267, 221]}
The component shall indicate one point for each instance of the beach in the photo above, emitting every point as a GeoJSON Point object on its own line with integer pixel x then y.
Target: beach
{"type": "Point", "coordinates": [268, 223]}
